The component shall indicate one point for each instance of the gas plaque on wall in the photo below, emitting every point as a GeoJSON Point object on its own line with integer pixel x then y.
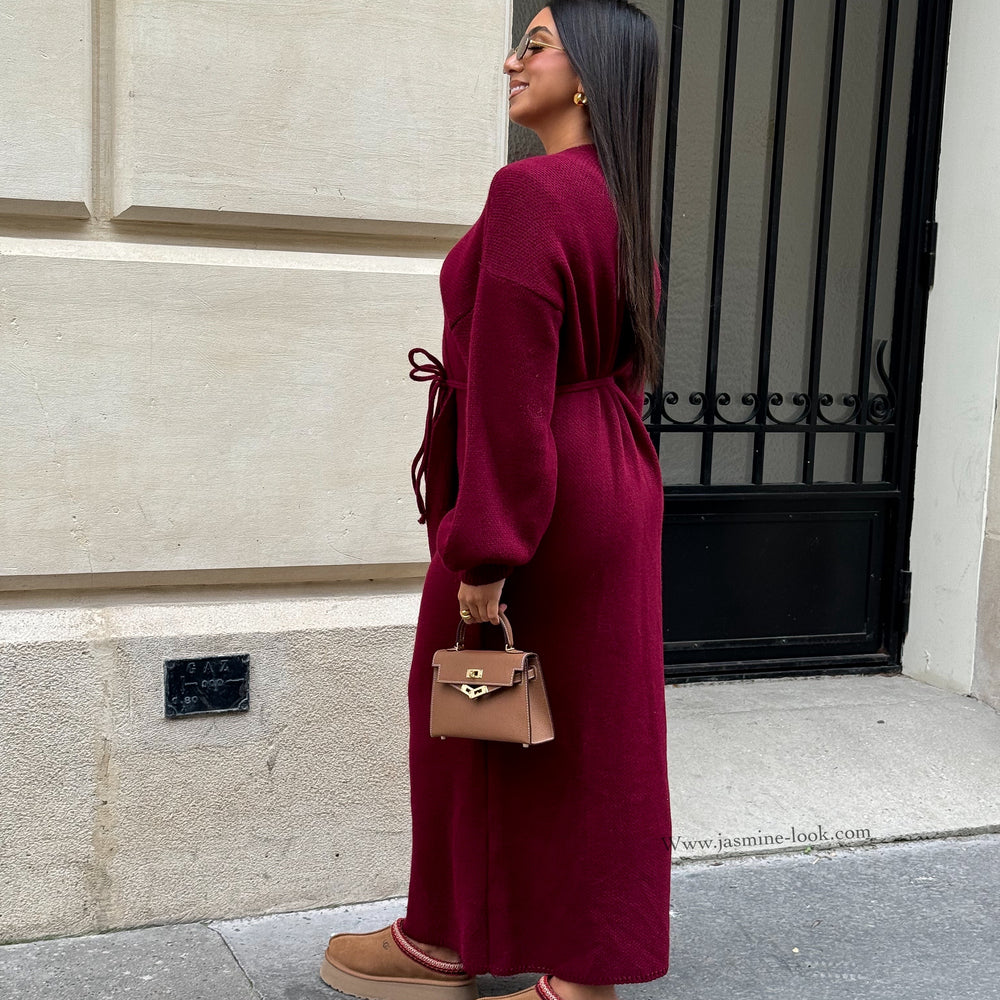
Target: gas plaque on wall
{"type": "Point", "coordinates": [201, 684]}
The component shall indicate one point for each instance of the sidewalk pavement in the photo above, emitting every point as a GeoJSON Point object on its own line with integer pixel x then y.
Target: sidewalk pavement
{"type": "Point", "coordinates": [858, 759]}
{"type": "Point", "coordinates": [774, 784]}
{"type": "Point", "coordinates": [907, 921]}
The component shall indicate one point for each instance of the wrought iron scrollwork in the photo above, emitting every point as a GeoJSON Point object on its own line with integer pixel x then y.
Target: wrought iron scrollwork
{"type": "Point", "coordinates": [878, 409]}
{"type": "Point", "coordinates": [747, 399]}
{"type": "Point", "coordinates": [659, 407]}
{"type": "Point", "coordinates": [850, 399]}
{"type": "Point", "coordinates": [799, 399]}
{"type": "Point", "coordinates": [882, 407]}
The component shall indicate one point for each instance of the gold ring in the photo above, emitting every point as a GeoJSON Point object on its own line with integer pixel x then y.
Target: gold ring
{"type": "Point", "coordinates": [465, 613]}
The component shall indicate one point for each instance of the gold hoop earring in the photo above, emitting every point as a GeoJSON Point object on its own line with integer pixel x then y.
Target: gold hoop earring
{"type": "Point", "coordinates": [579, 98]}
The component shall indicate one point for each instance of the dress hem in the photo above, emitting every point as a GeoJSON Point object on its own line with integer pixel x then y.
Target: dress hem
{"type": "Point", "coordinates": [515, 971]}
{"type": "Point", "coordinates": [541, 968]}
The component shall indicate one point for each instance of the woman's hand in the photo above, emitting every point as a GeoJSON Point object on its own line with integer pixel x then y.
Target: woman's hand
{"type": "Point", "coordinates": [483, 602]}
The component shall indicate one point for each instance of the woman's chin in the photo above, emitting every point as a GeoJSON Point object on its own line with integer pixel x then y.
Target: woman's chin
{"type": "Point", "coordinates": [518, 119]}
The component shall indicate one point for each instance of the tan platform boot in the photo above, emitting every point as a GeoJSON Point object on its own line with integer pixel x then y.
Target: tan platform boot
{"type": "Point", "coordinates": [542, 990]}
{"type": "Point", "coordinates": [386, 965]}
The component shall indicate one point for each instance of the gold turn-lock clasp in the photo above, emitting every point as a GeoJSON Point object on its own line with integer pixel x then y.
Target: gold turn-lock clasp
{"type": "Point", "coordinates": [474, 692]}
{"type": "Point", "coordinates": [475, 673]}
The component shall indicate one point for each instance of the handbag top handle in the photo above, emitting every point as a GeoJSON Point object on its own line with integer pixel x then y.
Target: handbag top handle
{"type": "Point", "coordinates": [507, 630]}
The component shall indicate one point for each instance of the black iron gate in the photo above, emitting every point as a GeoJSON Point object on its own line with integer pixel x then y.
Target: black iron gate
{"type": "Point", "coordinates": [797, 247]}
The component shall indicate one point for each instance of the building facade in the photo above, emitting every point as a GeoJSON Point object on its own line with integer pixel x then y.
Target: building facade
{"type": "Point", "coordinates": [221, 225]}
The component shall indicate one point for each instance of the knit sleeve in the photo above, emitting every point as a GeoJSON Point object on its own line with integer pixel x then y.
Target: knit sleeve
{"type": "Point", "coordinates": [507, 475]}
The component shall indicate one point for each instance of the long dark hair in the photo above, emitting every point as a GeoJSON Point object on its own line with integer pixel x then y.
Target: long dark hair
{"type": "Point", "coordinates": [613, 48]}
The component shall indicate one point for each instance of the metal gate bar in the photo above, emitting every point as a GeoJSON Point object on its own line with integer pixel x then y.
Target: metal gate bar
{"type": "Point", "coordinates": [652, 406]}
{"type": "Point", "coordinates": [874, 238]}
{"type": "Point", "coordinates": [719, 239]}
{"type": "Point", "coordinates": [771, 253]}
{"type": "Point", "coordinates": [812, 400]}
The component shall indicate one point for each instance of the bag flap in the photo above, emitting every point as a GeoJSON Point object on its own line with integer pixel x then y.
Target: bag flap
{"type": "Point", "coordinates": [491, 667]}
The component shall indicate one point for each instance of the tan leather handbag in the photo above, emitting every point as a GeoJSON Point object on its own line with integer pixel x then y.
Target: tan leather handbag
{"type": "Point", "coordinates": [490, 694]}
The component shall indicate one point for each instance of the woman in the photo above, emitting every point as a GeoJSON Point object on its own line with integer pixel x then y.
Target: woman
{"type": "Point", "coordinates": [543, 487]}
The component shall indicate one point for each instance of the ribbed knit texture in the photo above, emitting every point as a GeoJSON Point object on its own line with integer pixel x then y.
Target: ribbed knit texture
{"type": "Point", "coordinates": [553, 858]}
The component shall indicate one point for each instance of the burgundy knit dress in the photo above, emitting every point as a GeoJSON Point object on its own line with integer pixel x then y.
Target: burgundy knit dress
{"type": "Point", "coordinates": [553, 858]}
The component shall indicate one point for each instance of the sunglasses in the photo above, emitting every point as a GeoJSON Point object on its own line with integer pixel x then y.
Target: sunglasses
{"type": "Point", "coordinates": [527, 44]}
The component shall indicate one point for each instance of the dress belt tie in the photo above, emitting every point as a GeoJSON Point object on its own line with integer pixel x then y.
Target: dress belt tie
{"type": "Point", "coordinates": [441, 390]}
